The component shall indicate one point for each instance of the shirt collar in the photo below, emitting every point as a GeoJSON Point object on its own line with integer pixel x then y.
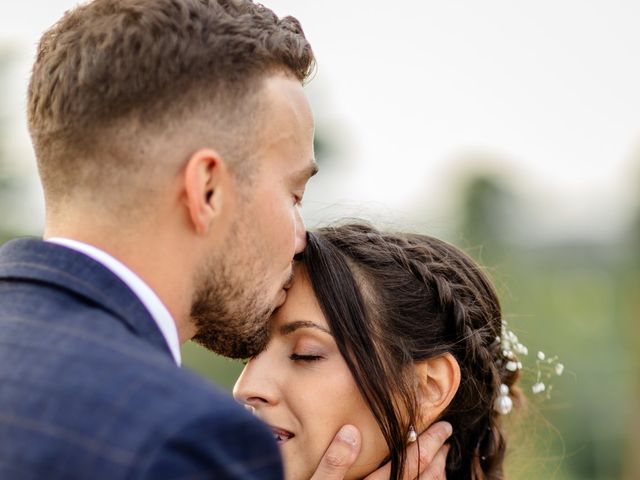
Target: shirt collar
{"type": "Point", "coordinates": [147, 296]}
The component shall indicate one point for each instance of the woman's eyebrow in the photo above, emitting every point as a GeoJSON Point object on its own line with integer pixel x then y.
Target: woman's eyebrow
{"type": "Point", "coordinates": [291, 327]}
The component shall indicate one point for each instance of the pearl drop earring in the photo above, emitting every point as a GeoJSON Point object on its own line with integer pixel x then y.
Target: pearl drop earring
{"type": "Point", "coordinates": [503, 404]}
{"type": "Point", "coordinates": [412, 436]}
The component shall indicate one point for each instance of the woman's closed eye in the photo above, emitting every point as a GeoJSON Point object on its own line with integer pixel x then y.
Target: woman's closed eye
{"type": "Point", "coordinates": [305, 358]}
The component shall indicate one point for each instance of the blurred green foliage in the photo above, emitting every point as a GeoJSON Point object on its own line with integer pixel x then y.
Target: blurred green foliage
{"type": "Point", "coordinates": [219, 370]}
{"type": "Point", "coordinates": [577, 300]}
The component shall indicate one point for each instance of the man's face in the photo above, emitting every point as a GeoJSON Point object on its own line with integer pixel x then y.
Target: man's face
{"type": "Point", "coordinates": [244, 282]}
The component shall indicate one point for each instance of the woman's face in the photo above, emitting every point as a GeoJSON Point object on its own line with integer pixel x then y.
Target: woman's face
{"type": "Point", "coordinates": [301, 386]}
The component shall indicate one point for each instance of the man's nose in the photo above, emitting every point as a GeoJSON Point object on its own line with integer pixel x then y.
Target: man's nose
{"type": "Point", "coordinates": [301, 233]}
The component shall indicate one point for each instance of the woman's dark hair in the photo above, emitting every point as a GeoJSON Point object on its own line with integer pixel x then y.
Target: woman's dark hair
{"type": "Point", "coordinates": [395, 299]}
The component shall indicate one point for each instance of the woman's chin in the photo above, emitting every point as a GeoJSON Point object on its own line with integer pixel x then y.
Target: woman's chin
{"type": "Point", "coordinates": [297, 465]}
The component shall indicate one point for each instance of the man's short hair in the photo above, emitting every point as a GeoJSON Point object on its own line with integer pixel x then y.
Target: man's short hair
{"type": "Point", "coordinates": [151, 63]}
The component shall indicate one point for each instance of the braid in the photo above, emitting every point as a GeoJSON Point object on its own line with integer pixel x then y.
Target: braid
{"type": "Point", "coordinates": [475, 336]}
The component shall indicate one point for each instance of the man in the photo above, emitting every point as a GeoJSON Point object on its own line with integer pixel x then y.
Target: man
{"type": "Point", "coordinates": [174, 143]}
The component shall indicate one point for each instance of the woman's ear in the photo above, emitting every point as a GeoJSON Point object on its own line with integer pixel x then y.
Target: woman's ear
{"type": "Point", "coordinates": [438, 380]}
{"type": "Point", "coordinates": [204, 177]}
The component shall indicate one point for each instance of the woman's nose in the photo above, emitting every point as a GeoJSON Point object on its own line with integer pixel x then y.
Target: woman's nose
{"type": "Point", "coordinates": [255, 387]}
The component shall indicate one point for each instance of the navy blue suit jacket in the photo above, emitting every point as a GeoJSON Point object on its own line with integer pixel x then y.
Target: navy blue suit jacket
{"type": "Point", "coordinates": [89, 389]}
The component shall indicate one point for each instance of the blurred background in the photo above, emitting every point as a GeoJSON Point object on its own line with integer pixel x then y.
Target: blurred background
{"type": "Point", "coordinates": [512, 129]}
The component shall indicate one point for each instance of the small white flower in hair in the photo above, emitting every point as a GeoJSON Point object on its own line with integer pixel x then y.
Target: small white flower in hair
{"type": "Point", "coordinates": [521, 349]}
{"type": "Point", "coordinates": [538, 388]}
{"type": "Point", "coordinates": [512, 366]}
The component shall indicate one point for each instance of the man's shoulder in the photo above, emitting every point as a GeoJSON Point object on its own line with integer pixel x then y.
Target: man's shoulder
{"type": "Point", "coordinates": [212, 443]}
{"type": "Point", "coordinates": [42, 280]}
{"type": "Point", "coordinates": [107, 400]}
{"type": "Point", "coordinates": [62, 342]}
{"type": "Point", "coordinates": [89, 390]}
{"type": "Point", "coordinates": [183, 425]}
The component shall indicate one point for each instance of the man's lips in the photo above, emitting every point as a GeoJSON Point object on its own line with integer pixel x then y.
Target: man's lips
{"type": "Point", "coordinates": [284, 289]}
{"type": "Point", "coordinates": [282, 297]}
{"type": "Point", "coordinates": [281, 435]}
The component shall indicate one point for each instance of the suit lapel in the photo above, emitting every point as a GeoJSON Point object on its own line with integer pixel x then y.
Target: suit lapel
{"type": "Point", "coordinates": [40, 261]}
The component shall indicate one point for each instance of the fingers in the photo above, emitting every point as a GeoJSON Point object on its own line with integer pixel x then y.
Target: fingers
{"type": "Point", "coordinates": [340, 455]}
{"type": "Point", "coordinates": [431, 442]}
{"type": "Point", "coordinates": [437, 468]}
{"type": "Point", "coordinates": [423, 456]}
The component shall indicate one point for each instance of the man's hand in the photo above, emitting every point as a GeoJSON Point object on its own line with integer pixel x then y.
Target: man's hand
{"type": "Point", "coordinates": [340, 455]}
{"type": "Point", "coordinates": [425, 463]}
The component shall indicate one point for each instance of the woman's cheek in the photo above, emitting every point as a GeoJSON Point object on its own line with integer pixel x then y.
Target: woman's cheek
{"type": "Point", "coordinates": [330, 406]}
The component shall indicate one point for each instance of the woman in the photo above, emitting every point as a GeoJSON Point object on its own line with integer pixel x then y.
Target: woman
{"type": "Point", "coordinates": [388, 332]}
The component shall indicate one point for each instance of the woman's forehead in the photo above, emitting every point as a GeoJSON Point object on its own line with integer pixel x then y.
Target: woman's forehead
{"type": "Point", "coordinates": [301, 303]}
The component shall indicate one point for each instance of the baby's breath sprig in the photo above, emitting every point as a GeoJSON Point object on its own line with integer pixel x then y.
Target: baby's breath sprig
{"type": "Point", "coordinates": [509, 351]}
{"type": "Point", "coordinates": [547, 367]}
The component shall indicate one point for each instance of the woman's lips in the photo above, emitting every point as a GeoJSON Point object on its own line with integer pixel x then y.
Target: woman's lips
{"type": "Point", "coordinates": [281, 435]}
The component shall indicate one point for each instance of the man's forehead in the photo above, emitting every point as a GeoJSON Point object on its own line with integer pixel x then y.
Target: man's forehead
{"type": "Point", "coordinates": [288, 127]}
{"type": "Point", "coordinates": [285, 95]}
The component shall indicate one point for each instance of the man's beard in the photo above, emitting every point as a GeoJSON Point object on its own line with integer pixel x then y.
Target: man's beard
{"type": "Point", "coordinates": [231, 318]}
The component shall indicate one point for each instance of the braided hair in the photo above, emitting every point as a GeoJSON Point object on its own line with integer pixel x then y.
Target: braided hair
{"type": "Point", "coordinates": [392, 300]}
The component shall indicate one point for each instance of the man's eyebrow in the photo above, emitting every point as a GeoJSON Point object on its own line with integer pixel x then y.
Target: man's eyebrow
{"type": "Point", "coordinates": [291, 327]}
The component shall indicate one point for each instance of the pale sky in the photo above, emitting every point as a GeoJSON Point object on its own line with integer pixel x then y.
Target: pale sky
{"type": "Point", "coordinates": [548, 87]}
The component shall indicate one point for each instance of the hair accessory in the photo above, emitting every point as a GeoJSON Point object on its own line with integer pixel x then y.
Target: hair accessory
{"type": "Point", "coordinates": [412, 436]}
{"type": "Point", "coordinates": [503, 404]}
{"type": "Point", "coordinates": [509, 348]}
{"type": "Point", "coordinates": [546, 368]}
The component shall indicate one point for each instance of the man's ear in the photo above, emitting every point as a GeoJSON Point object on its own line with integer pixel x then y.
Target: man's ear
{"type": "Point", "coordinates": [204, 177]}
{"type": "Point", "coordinates": [438, 380]}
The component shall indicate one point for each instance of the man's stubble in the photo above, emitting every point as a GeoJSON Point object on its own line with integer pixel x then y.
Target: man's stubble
{"type": "Point", "coordinates": [230, 308]}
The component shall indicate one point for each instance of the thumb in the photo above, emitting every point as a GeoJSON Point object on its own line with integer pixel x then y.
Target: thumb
{"type": "Point", "coordinates": [340, 455]}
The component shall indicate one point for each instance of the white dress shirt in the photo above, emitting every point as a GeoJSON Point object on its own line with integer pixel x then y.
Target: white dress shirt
{"type": "Point", "coordinates": [149, 299]}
